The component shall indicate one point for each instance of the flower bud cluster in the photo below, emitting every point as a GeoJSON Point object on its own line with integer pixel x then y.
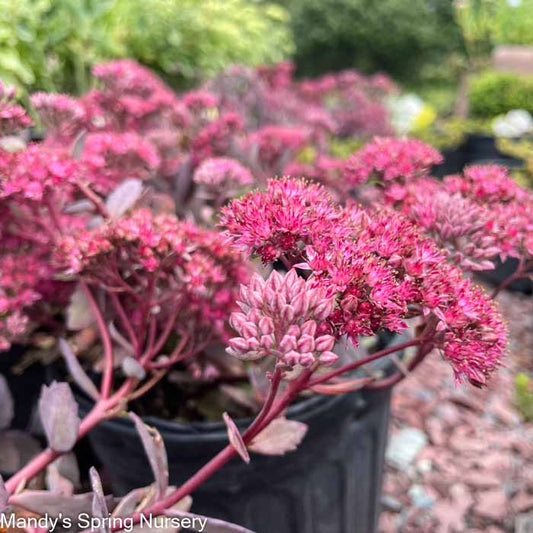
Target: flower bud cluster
{"type": "Point", "coordinates": [283, 317]}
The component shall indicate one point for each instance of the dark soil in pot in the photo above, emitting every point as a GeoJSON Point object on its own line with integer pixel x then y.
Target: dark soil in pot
{"type": "Point", "coordinates": [24, 383]}
{"type": "Point", "coordinates": [331, 484]}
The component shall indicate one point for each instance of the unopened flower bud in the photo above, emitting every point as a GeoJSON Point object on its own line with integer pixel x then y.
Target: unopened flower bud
{"type": "Point", "coordinates": [328, 358]}
{"type": "Point", "coordinates": [324, 343]}
{"type": "Point", "coordinates": [288, 343]}
{"type": "Point", "coordinates": [306, 343]}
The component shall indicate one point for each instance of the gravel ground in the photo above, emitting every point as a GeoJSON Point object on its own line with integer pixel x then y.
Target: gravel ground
{"type": "Point", "coordinates": [460, 459]}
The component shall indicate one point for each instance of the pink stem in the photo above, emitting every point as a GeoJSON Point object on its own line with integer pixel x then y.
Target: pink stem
{"type": "Point", "coordinates": [360, 362]}
{"type": "Point", "coordinates": [126, 324]}
{"type": "Point", "coordinates": [217, 462]}
{"type": "Point", "coordinates": [107, 379]}
{"type": "Point", "coordinates": [385, 383]}
{"type": "Point", "coordinates": [98, 413]}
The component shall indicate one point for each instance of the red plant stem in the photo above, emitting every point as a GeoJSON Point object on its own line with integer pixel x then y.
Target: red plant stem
{"type": "Point", "coordinates": [97, 414]}
{"type": "Point", "coordinates": [387, 382]}
{"type": "Point", "coordinates": [126, 324]}
{"type": "Point", "coordinates": [272, 392]}
{"type": "Point", "coordinates": [360, 362]}
{"type": "Point", "coordinates": [217, 462]}
{"type": "Point", "coordinates": [107, 379]}
{"type": "Point", "coordinates": [94, 198]}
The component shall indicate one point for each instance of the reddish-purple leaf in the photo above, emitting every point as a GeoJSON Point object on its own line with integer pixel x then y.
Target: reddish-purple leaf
{"type": "Point", "coordinates": [155, 451]}
{"type": "Point", "coordinates": [6, 404]}
{"type": "Point", "coordinates": [235, 438]}
{"type": "Point", "coordinates": [133, 369]}
{"type": "Point", "coordinates": [59, 416]}
{"type": "Point", "coordinates": [44, 502]}
{"type": "Point", "coordinates": [4, 496]}
{"type": "Point", "coordinates": [279, 437]}
{"type": "Point", "coordinates": [99, 504]}
{"type": "Point", "coordinates": [83, 381]}
{"type": "Point", "coordinates": [124, 197]}
{"type": "Point", "coordinates": [79, 314]}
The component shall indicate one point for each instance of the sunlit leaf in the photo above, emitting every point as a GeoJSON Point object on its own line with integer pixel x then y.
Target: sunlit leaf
{"type": "Point", "coordinates": [155, 451]}
{"type": "Point", "coordinates": [235, 438]}
{"type": "Point", "coordinates": [279, 437]}
{"type": "Point", "coordinates": [59, 416]}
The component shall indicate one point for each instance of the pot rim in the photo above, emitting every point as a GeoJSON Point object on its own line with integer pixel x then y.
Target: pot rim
{"type": "Point", "coordinates": [212, 431]}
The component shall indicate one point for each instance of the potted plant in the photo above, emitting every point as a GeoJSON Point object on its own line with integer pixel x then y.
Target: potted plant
{"type": "Point", "coordinates": [482, 218]}
{"type": "Point", "coordinates": [351, 272]}
{"type": "Point", "coordinates": [152, 300]}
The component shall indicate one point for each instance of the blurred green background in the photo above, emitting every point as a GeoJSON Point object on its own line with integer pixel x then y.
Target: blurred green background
{"type": "Point", "coordinates": [424, 44]}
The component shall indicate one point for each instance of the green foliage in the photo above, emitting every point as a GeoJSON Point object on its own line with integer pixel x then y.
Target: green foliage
{"type": "Point", "coordinates": [494, 93]}
{"type": "Point", "coordinates": [190, 39]}
{"type": "Point", "coordinates": [52, 44]}
{"type": "Point", "coordinates": [398, 36]}
{"type": "Point", "coordinates": [514, 22]}
{"type": "Point", "coordinates": [524, 396]}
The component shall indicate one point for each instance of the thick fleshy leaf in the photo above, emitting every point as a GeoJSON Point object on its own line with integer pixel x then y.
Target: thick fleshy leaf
{"type": "Point", "coordinates": [79, 145]}
{"type": "Point", "coordinates": [133, 369]}
{"type": "Point", "coordinates": [16, 449]}
{"type": "Point", "coordinates": [6, 404]}
{"type": "Point", "coordinates": [75, 369]}
{"type": "Point", "coordinates": [235, 438]}
{"type": "Point", "coordinates": [99, 504]}
{"type": "Point", "coordinates": [79, 314]}
{"type": "Point", "coordinates": [210, 525]}
{"type": "Point", "coordinates": [130, 503]}
{"type": "Point", "coordinates": [63, 475]}
{"type": "Point", "coordinates": [4, 496]}
{"type": "Point", "coordinates": [44, 502]}
{"type": "Point", "coordinates": [124, 197]}
{"type": "Point", "coordinates": [155, 451]}
{"type": "Point", "coordinates": [279, 437]}
{"type": "Point", "coordinates": [59, 416]}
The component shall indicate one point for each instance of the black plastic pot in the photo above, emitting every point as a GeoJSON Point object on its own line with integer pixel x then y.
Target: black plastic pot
{"type": "Point", "coordinates": [330, 484]}
{"type": "Point", "coordinates": [25, 386]}
{"type": "Point", "coordinates": [502, 272]}
{"type": "Point", "coordinates": [480, 149]}
{"type": "Point", "coordinates": [453, 162]}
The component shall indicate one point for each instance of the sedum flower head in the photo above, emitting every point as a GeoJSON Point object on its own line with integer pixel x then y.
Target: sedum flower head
{"type": "Point", "coordinates": [282, 317]}
{"type": "Point", "coordinates": [387, 159]}
{"type": "Point", "coordinates": [281, 220]}
{"type": "Point", "coordinates": [222, 174]}
{"type": "Point", "coordinates": [109, 158]}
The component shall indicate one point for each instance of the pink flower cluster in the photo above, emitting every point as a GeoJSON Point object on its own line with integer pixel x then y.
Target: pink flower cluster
{"type": "Point", "coordinates": [464, 229]}
{"type": "Point", "coordinates": [388, 159]}
{"type": "Point", "coordinates": [222, 174]}
{"type": "Point", "coordinates": [13, 117]}
{"type": "Point", "coordinates": [36, 172]}
{"type": "Point", "coordinates": [378, 266]}
{"type": "Point", "coordinates": [62, 116]}
{"type": "Point", "coordinates": [189, 269]}
{"type": "Point", "coordinates": [20, 274]}
{"type": "Point", "coordinates": [280, 221]}
{"type": "Point", "coordinates": [275, 144]}
{"type": "Point", "coordinates": [109, 158]}
{"type": "Point", "coordinates": [283, 317]}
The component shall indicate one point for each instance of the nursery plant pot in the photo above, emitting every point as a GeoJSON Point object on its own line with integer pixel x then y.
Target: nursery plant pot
{"type": "Point", "coordinates": [330, 484]}
{"type": "Point", "coordinates": [482, 150]}
{"type": "Point", "coordinates": [453, 162]}
{"type": "Point", "coordinates": [25, 386]}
